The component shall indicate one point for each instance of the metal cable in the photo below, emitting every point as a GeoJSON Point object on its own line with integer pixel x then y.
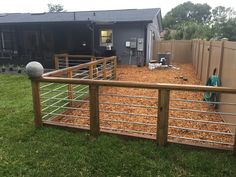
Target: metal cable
{"type": "Point", "coordinates": [198, 130]}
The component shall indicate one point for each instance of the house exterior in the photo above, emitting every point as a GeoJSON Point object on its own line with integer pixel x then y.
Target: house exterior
{"type": "Point", "coordinates": [128, 34]}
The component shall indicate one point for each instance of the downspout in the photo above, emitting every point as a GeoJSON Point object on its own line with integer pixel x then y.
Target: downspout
{"type": "Point", "coordinates": [74, 16]}
{"type": "Point", "coordinates": [145, 46]}
{"type": "Point", "coordinates": [91, 28]}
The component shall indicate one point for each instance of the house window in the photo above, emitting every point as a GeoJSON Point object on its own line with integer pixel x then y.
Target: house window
{"type": "Point", "coordinates": [106, 37]}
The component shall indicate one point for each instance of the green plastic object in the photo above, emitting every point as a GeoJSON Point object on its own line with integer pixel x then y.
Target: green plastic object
{"type": "Point", "coordinates": [212, 81]}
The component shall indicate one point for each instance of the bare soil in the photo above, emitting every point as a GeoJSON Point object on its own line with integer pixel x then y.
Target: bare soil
{"type": "Point", "coordinates": [123, 117]}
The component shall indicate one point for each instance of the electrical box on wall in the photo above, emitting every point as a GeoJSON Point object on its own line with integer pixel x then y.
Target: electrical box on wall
{"type": "Point", "coordinates": [127, 44]}
{"type": "Point", "coordinates": [140, 44]}
{"type": "Point", "coordinates": [133, 43]}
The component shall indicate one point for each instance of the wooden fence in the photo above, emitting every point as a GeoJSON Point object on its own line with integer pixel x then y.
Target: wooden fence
{"type": "Point", "coordinates": [80, 88]}
{"type": "Point", "coordinates": [205, 56]}
{"type": "Point", "coordinates": [65, 60]}
{"type": "Point", "coordinates": [208, 55]}
{"type": "Point", "coordinates": [181, 50]}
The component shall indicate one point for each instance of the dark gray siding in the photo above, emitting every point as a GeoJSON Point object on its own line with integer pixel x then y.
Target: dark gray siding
{"type": "Point", "coordinates": [153, 33]}
{"type": "Point", "coordinates": [123, 32]}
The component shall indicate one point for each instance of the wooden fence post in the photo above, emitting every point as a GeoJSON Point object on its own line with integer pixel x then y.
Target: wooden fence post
{"type": "Point", "coordinates": [209, 59]}
{"type": "Point", "coordinates": [114, 67]}
{"type": "Point", "coordinates": [222, 57]}
{"type": "Point", "coordinates": [193, 53]}
{"type": "Point", "coordinates": [192, 44]}
{"type": "Point", "coordinates": [36, 103]}
{"type": "Point", "coordinates": [234, 148]}
{"type": "Point", "coordinates": [202, 56]}
{"type": "Point", "coordinates": [91, 71]}
{"type": "Point", "coordinates": [172, 49]}
{"type": "Point", "coordinates": [198, 54]}
{"type": "Point", "coordinates": [70, 89]}
{"type": "Point", "coordinates": [67, 61]}
{"type": "Point", "coordinates": [163, 115]}
{"type": "Point", "coordinates": [93, 59]}
{"type": "Point", "coordinates": [104, 69]}
{"type": "Point", "coordinates": [94, 110]}
{"type": "Point", "coordinates": [35, 70]}
{"type": "Point", "coordinates": [95, 71]}
{"type": "Point", "coordinates": [56, 62]}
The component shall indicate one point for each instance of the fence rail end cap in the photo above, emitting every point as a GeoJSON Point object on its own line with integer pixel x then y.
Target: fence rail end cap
{"type": "Point", "coordinates": [34, 69]}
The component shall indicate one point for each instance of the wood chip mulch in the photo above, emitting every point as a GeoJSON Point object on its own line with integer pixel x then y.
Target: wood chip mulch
{"type": "Point", "coordinates": [145, 122]}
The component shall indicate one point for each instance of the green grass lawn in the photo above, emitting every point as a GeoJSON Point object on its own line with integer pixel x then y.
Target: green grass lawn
{"type": "Point", "coordinates": [26, 151]}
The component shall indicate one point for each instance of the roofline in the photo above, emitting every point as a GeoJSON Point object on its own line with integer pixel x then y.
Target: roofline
{"type": "Point", "coordinates": [76, 13]}
{"type": "Point", "coordinates": [161, 22]}
{"type": "Point", "coordinates": [80, 11]}
{"type": "Point", "coordinates": [158, 16]}
{"type": "Point", "coordinates": [87, 21]}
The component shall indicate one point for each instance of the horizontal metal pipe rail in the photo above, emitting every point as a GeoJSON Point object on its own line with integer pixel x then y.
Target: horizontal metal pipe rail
{"type": "Point", "coordinates": [198, 130]}
{"type": "Point", "coordinates": [200, 140]}
{"type": "Point", "coordinates": [130, 105]}
{"type": "Point", "coordinates": [199, 111]}
{"type": "Point", "coordinates": [201, 121]}
{"type": "Point", "coordinates": [198, 101]}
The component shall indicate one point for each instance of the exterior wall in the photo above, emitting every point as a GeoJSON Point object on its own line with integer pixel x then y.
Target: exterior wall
{"type": "Point", "coordinates": [122, 32]}
{"type": "Point", "coordinates": [153, 33]}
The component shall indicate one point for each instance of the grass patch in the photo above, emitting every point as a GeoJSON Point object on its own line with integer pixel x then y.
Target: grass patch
{"type": "Point", "coordinates": [26, 151]}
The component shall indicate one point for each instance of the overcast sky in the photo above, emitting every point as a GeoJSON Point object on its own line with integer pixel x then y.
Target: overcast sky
{"type": "Point", "coordinates": [33, 6]}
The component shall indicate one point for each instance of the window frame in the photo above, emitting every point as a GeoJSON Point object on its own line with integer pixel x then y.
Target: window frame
{"type": "Point", "coordinates": [100, 37]}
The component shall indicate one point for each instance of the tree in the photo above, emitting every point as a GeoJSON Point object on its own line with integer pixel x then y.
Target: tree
{"type": "Point", "coordinates": [189, 30]}
{"type": "Point", "coordinates": [223, 21]}
{"type": "Point", "coordinates": [228, 29]}
{"type": "Point", "coordinates": [189, 21]}
{"type": "Point", "coordinates": [55, 8]}
{"type": "Point", "coordinates": [201, 13]}
{"type": "Point", "coordinates": [187, 12]}
{"type": "Point", "coordinates": [221, 14]}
